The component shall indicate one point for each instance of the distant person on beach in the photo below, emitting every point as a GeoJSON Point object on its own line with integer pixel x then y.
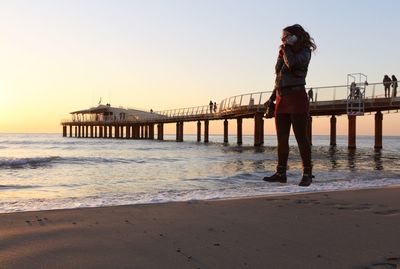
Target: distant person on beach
{"type": "Point", "coordinates": [211, 104]}
{"type": "Point", "coordinates": [215, 107]}
{"type": "Point", "coordinates": [311, 95]}
{"type": "Point", "coordinates": [292, 104]}
{"type": "Point", "coordinates": [386, 83]}
{"type": "Point", "coordinates": [394, 85]}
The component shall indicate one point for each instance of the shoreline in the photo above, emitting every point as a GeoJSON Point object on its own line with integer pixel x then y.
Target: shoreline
{"type": "Point", "coordinates": [245, 197]}
{"type": "Point", "coordinates": [339, 229]}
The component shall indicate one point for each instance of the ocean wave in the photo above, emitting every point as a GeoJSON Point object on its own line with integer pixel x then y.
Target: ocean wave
{"type": "Point", "coordinates": [33, 162]}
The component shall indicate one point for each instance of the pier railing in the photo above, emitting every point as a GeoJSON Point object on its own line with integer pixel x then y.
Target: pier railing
{"type": "Point", "coordinates": [245, 102]}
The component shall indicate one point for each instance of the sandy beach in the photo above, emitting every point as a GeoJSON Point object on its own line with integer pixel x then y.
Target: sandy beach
{"type": "Point", "coordinates": [347, 229]}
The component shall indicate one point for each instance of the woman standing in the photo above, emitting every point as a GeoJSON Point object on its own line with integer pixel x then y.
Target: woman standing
{"type": "Point", "coordinates": [394, 85]}
{"type": "Point", "coordinates": [292, 104]}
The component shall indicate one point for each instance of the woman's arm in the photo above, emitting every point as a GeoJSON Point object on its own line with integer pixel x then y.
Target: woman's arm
{"type": "Point", "coordinates": [295, 60]}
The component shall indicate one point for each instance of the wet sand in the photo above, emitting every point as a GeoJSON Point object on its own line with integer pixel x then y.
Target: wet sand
{"type": "Point", "coordinates": [347, 229]}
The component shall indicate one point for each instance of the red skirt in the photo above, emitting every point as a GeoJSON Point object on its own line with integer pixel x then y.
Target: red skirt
{"type": "Point", "coordinates": [295, 103]}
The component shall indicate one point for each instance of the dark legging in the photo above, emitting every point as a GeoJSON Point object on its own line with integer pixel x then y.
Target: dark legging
{"type": "Point", "coordinates": [300, 125]}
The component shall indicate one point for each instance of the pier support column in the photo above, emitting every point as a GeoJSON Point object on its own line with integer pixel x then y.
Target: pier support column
{"type": "Point", "coordinates": [110, 131]}
{"type": "Point", "coordinates": [206, 125]}
{"type": "Point", "coordinates": [128, 131]}
{"type": "Point", "coordinates": [146, 131]}
{"type": "Point", "coordinates": [352, 132]}
{"type": "Point", "coordinates": [309, 129]}
{"type": "Point", "coordinates": [378, 130]}
{"type": "Point", "coordinates": [181, 132]}
{"type": "Point", "coordinates": [64, 131]}
{"type": "Point", "coordinates": [160, 131]}
{"type": "Point", "coordinates": [91, 131]}
{"type": "Point", "coordinates": [87, 131]}
{"type": "Point", "coordinates": [258, 129]}
{"type": "Point", "coordinates": [101, 131]}
{"type": "Point", "coordinates": [226, 129]}
{"type": "Point", "coordinates": [151, 131]}
{"type": "Point", "coordinates": [76, 131]}
{"type": "Point", "coordinates": [95, 131]}
{"type": "Point", "coordinates": [79, 131]}
{"type": "Point", "coordinates": [105, 131]}
{"type": "Point", "coordinates": [177, 131]}
{"type": "Point", "coordinates": [116, 131]}
{"type": "Point", "coordinates": [239, 131]}
{"type": "Point", "coordinates": [70, 131]}
{"type": "Point", "coordinates": [198, 131]}
{"type": "Point", "coordinates": [142, 131]}
{"type": "Point", "coordinates": [333, 130]}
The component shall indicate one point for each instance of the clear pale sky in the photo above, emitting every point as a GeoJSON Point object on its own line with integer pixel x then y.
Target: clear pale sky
{"type": "Point", "coordinates": [61, 56]}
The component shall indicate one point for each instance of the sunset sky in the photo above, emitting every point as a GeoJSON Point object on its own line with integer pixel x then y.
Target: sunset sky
{"type": "Point", "coordinates": [61, 56]}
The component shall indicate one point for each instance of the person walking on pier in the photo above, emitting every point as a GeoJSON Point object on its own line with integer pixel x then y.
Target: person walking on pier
{"type": "Point", "coordinates": [311, 95]}
{"type": "Point", "coordinates": [292, 103]}
{"type": "Point", "coordinates": [386, 83]}
{"type": "Point", "coordinates": [211, 105]}
{"type": "Point", "coordinates": [394, 85]}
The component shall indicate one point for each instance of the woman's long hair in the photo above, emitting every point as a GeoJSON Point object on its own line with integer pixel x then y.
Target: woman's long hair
{"type": "Point", "coordinates": [304, 38]}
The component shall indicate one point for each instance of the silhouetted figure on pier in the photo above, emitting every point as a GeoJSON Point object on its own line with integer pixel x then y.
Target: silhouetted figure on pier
{"type": "Point", "coordinates": [386, 83]}
{"type": "Point", "coordinates": [311, 95]}
{"type": "Point", "coordinates": [215, 107]}
{"type": "Point", "coordinates": [292, 104]}
{"type": "Point", "coordinates": [211, 104]}
{"type": "Point", "coordinates": [352, 90]}
{"type": "Point", "coordinates": [394, 85]}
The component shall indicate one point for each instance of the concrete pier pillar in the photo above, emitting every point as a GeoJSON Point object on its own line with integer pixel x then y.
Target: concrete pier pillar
{"type": "Point", "coordinates": [136, 131]}
{"type": "Point", "coordinates": [116, 135]}
{"type": "Point", "coordinates": [378, 129]}
{"type": "Point", "coordinates": [87, 131]}
{"type": "Point", "coordinates": [146, 131]}
{"type": "Point", "coordinates": [179, 131]}
{"type": "Point", "coordinates": [333, 130]}
{"type": "Point", "coordinates": [128, 131]}
{"type": "Point", "coordinates": [206, 128]}
{"type": "Point", "coordinates": [309, 129]}
{"type": "Point", "coordinates": [70, 131]}
{"type": "Point", "coordinates": [142, 131]}
{"type": "Point", "coordinates": [226, 129]}
{"type": "Point", "coordinates": [352, 132]}
{"type": "Point", "coordinates": [160, 131]}
{"type": "Point", "coordinates": [76, 131]}
{"type": "Point", "coordinates": [95, 131]}
{"type": "Point", "coordinates": [91, 131]}
{"type": "Point", "coordinates": [239, 131]}
{"type": "Point", "coordinates": [151, 131]}
{"type": "Point", "coordinates": [79, 131]}
{"type": "Point", "coordinates": [105, 131]}
{"type": "Point", "coordinates": [64, 131]}
{"type": "Point", "coordinates": [101, 131]}
{"type": "Point", "coordinates": [258, 129]}
{"type": "Point", "coordinates": [110, 131]}
{"type": "Point", "coordinates": [198, 131]}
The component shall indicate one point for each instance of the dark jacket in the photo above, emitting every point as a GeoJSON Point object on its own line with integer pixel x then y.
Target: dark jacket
{"type": "Point", "coordinates": [291, 69]}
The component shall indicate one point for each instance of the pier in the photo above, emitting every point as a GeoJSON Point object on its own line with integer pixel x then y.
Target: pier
{"type": "Point", "coordinates": [105, 121]}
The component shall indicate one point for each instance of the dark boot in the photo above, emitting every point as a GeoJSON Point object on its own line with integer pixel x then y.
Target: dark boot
{"type": "Point", "coordinates": [279, 176]}
{"type": "Point", "coordinates": [307, 177]}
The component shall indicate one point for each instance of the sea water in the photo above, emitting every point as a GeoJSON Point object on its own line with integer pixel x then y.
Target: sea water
{"type": "Point", "coordinates": [47, 171]}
